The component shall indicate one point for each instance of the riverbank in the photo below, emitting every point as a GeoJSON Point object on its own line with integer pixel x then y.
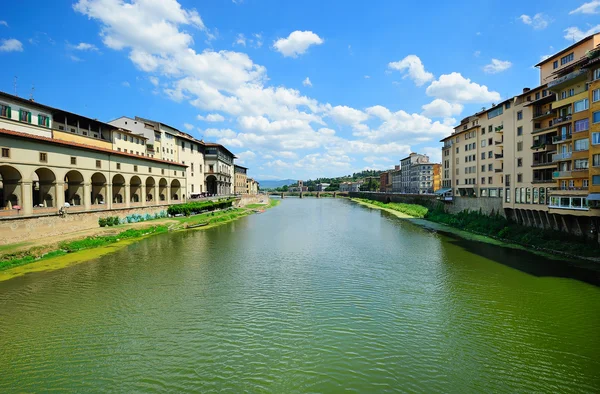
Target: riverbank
{"type": "Point", "coordinates": [496, 230]}
{"type": "Point", "coordinates": [57, 253]}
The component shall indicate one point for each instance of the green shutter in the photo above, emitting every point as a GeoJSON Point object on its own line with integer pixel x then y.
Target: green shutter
{"type": "Point", "coordinates": [8, 113]}
{"type": "Point", "coordinates": [47, 121]}
{"type": "Point", "coordinates": [28, 117]}
{"type": "Point", "coordinates": [39, 120]}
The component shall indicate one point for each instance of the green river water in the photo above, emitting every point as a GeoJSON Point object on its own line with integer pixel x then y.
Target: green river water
{"type": "Point", "coordinates": [315, 295]}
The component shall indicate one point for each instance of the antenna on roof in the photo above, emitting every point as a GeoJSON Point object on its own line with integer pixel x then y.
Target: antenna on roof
{"type": "Point", "coordinates": [32, 91]}
{"type": "Point", "coordinates": [15, 85]}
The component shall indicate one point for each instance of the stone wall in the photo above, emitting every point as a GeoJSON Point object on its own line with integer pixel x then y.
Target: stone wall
{"type": "Point", "coordinates": [15, 230]}
{"type": "Point", "coordinates": [427, 200]}
{"type": "Point", "coordinates": [486, 205]}
{"type": "Point", "coordinates": [247, 199]}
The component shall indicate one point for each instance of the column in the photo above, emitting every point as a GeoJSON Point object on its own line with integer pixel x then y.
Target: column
{"type": "Point", "coordinates": [156, 195]}
{"type": "Point", "coordinates": [26, 198]}
{"type": "Point", "coordinates": [127, 195]}
{"type": "Point", "coordinates": [87, 196]}
{"type": "Point", "coordinates": [168, 193]}
{"type": "Point", "coordinates": [108, 199]}
{"type": "Point", "coordinates": [60, 195]}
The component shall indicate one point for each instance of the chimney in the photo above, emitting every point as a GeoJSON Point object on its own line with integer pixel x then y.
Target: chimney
{"type": "Point", "coordinates": [525, 90]}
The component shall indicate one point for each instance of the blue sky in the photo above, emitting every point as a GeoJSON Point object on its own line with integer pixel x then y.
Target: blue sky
{"type": "Point", "coordinates": [295, 89]}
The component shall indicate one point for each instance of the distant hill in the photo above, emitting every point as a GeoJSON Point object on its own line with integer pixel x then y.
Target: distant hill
{"type": "Point", "coordinates": [273, 184]}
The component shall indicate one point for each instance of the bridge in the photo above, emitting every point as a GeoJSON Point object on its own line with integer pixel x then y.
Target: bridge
{"type": "Point", "coordinates": [334, 194]}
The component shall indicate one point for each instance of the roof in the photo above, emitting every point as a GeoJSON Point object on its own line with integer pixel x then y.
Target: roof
{"type": "Point", "coordinates": [51, 109]}
{"type": "Point", "coordinates": [83, 146]}
{"type": "Point", "coordinates": [156, 122]}
{"type": "Point", "coordinates": [566, 49]}
{"type": "Point", "coordinates": [238, 166]}
{"type": "Point", "coordinates": [220, 146]}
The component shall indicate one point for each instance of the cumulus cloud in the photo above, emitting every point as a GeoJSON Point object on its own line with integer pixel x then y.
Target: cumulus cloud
{"type": "Point", "coordinates": [11, 45]}
{"type": "Point", "coordinates": [414, 69]}
{"type": "Point", "coordinates": [211, 118]}
{"type": "Point", "coordinates": [497, 66]}
{"type": "Point", "coordinates": [347, 116]}
{"type": "Point", "coordinates": [3, 23]}
{"type": "Point", "coordinates": [441, 109]}
{"type": "Point", "coordinates": [576, 34]}
{"type": "Point", "coordinates": [240, 39]}
{"type": "Point", "coordinates": [297, 43]}
{"type": "Point", "coordinates": [307, 82]}
{"type": "Point", "coordinates": [153, 80]}
{"type": "Point", "coordinates": [125, 84]}
{"type": "Point", "coordinates": [188, 126]}
{"type": "Point", "coordinates": [587, 8]}
{"type": "Point", "coordinates": [454, 87]}
{"type": "Point", "coordinates": [84, 46]}
{"type": "Point", "coordinates": [539, 21]}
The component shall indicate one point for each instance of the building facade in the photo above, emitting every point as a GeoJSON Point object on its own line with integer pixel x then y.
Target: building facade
{"type": "Point", "coordinates": [219, 169]}
{"type": "Point", "coordinates": [241, 180]}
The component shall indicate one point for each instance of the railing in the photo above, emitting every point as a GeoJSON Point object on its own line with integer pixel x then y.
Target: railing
{"type": "Point", "coordinates": [540, 114]}
{"type": "Point", "coordinates": [499, 129]}
{"type": "Point", "coordinates": [542, 163]}
{"type": "Point", "coordinates": [566, 78]}
{"type": "Point", "coordinates": [561, 174]}
{"type": "Point", "coordinates": [543, 181]}
{"type": "Point", "coordinates": [562, 156]}
{"type": "Point", "coordinates": [499, 142]}
{"type": "Point", "coordinates": [499, 170]}
{"type": "Point", "coordinates": [571, 188]}
{"type": "Point", "coordinates": [499, 155]}
{"type": "Point", "coordinates": [562, 119]}
{"type": "Point", "coordinates": [559, 138]}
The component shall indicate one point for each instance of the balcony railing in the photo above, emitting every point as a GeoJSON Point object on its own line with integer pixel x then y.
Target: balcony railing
{"type": "Point", "coordinates": [499, 129]}
{"type": "Point", "coordinates": [542, 163]}
{"type": "Point", "coordinates": [562, 156]}
{"type": "Point", "coordinates": [561, 174]}
{"type": "Point", "coordinates": [560, 138]}
{"type": "Point", "coordinates": [543, 181]}
{"type": "Point", "coordinates": [499, 142]}
{"type": "Point", "coordinates": [562, 119]}
{"type": "Point", "coordinates": [499, 155]}
{"type": "Point", "coordinates": [542, 114]}
{"type": "Point", "coordinates": [553, 85]}
{"type": "Point", "coordinates": [499, 170]}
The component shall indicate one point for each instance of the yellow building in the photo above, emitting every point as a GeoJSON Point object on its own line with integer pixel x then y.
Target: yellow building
{"type": "Point", "coordinates": [241, 180]}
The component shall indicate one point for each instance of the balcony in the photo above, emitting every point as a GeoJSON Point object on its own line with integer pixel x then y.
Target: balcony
{"type": "Point", "coordinates": [499, 170]}
{"type": "Point", "coordinates": [557, 139]}
{"type": "Point", "coordinates": [499, 129]}
{"type": "Point", "coordinates": [558, 84]}
{"type": "Point", "coordinates": [561, 174]}
{"type": "Point", "coordinates": [542, 115]}
{"type": "Point", "coordinates": [562, 156]}
{"type": "Point", "coordinates": [499, 155]}
{"type": "Point", "coordinates": [535, 181]}
{"type": "Point", "coordinates": [562, 119]}
{"type": "Point", "coordinates": [544, 146]}
{"type": "Point", "coordinates": [543, 164]}
{"type": "Point", "coordinates": [580, 173]}
{"type": "Point", "coordinates": [501, 142]}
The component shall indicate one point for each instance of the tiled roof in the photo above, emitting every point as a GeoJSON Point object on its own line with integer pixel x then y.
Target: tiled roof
{"type": "Point", "coordinates": [83, 146]}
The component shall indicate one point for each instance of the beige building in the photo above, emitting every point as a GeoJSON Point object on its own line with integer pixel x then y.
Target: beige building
{"type": "Point", "coordinates": [241, 180]}
{"type": "Point", "coordinates": [219, 170]}
{"type": "Point", "coordinates": [252, 186]}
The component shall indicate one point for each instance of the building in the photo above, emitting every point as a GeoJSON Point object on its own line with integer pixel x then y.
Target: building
{"type": "Point", "coordinates": [437, 177]}
{"type": "Point", "coordinates": [140, 129]}
{"type": "Point", "coordinates": [538, 152]}
{"type": "Point", "coordinates": [417, 174]}
{"type": "Point", "coordinates": [253, 186]}
{"type": "Point", "coordinates": [51, 158]}
{"type": "Point", "coordinates": [322, 186]}
{"type": "Point", "coordinates": [240, 180]}
{"type": "Point", "coordinates": [397, 179]}
{"type": "Point", "coordinates": [219, 174]}
{"type": "Point", "coordinates": [385, 180]}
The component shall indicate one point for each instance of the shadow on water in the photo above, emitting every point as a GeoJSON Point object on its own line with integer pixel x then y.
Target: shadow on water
{"type": "Point", "coordinates": [522, 260]}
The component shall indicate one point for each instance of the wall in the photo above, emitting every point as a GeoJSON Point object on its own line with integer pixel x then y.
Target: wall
{"type": "Point", "coordinates": [251, 199]}
{"type": "Point", "coordinates": [71, 137]}
{"type": "Point", "coordinates": [487, 205]}
{"type": "Point", "coordinates": [21, 127]}
{"type": "Point", "coordinates": [27, 229]}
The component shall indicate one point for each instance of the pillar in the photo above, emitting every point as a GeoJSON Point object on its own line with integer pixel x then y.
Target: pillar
{"type": "Point", "coordinates": [127, 195]}
{"type": "Point", "coordinates": [156, 200]}
{"type": "Point", "coordinates": [60, 195]}
{"type": "Point", "coordinates": [168, 193]}
{"type": "Point", "coordinates": [87, 196]}
{"type": "Point", "coordinates": [108, 199]}
{"type": "Point", "coordinates": [26, 198]}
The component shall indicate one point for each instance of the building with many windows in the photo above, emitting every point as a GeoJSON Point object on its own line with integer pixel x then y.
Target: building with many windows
{"type": "Point", "coordinates": [219, 170]}
{"type": "Point", "coordinates": [241, 180]}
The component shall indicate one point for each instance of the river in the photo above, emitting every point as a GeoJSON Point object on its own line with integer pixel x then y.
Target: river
{"type": "Point", "coordinates": [315, 295]}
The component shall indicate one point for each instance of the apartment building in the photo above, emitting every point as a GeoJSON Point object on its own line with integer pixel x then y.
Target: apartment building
{"type": "Point", "coordinates": [417, 174]}
{"type": "Point", "coordinates": [241, 180]}
{"type": "Point", "coordinates": [138, 127]}
{"type": "Point", "coordinates": [396, 179]}
{"type": "Point", "coordinates": [253, 186]}
{"type": "Point", "coordinates": [219, 169]}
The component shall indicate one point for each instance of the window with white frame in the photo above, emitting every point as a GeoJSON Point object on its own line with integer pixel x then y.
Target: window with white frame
{"type": "Point", "coordinates": [582, 144]}
{"type": "Point", "coordinates": [595, 95]}
{"type": "Point", "coordinates": [582, 105]}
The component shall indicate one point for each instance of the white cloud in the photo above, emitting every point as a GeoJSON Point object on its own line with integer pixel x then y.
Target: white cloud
{"type": "Point", "coordinates": [297, 43]}
{"type": "Point", "coordinates": [307, 82]}
{"type": "Point", "coordinates": [287, 155]}
{"type": "Point", "coordinates": [243, 157]}
{"type": "Point", "coordinates": [3, 23]}
{"type": "Point", "coordinates": [415, 69]}
{"type": "Point", "coordinates": [125, 84]}
{"type": "Point", "coordinates": [84, 46]}
{"type": "Point", "coordinates": [75, 58]}
{"type": "Point", "coordinates": [539, 21]}
{"type": "Point", "coordinates": [11, 45]}
{"type": "Point", "coordinates": [456, 88]}
{"type": "Point", "coordinates": [211, 118]}
{"type": "Point", "coordinates": [218, 133]}
{"type": "Point", "coordinates": [367, 77]}
{"type": "Point", "coordinates": [575, 34]}
{"type": "Point", "coordinates": [442, 109]}
{"type": "Point", "coordinates": [497, 66]}
{"type": "Point", "coordinates": [188, 126]}
{"type": "Point", "coordinates": [240, 39]}
{"type": "Point", "coordinates": [478, 33]}
{"type": "Point", "coordinates": [587, 8]}
{"type": "Point", "coordinates": [347, 116]}
{"type": "Point", "coordinates": [477, 53]}
{"type": "Point", "coordinates": [153, 80]}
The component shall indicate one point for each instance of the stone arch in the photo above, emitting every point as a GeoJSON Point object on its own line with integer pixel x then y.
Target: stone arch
{"type": "Point", "coordinates": [175, 190]}
{"type": "Point", "coordinates": [118, 189]}
{"type": "Point", "coordinates": [163, 191]}
{"type": "Point", "coordinates": [211, 184]}
{"type": "Point", "coordinates": [99, 189]}
{"type": "Point", "coordinates": [149, 194]}
{"type": "Point", "coordinates": [74, 188]}
{"type": "Point", "coordinates": [43, 188]}
{"type": "Point", "coordinates": [11, 187]}
{"type": "Point", "coordinates": [135, 189]}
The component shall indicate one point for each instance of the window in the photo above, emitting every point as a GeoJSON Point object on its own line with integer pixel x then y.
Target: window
{"type": "Point", "coordinates": [43, 157]}
{"type": "Point", "coordinates": [6, 152]}
{"type": "Point", "coordinates": [582, 105]}
{"type": "Point", "coordinates": [519, 178]}
{"type": "Point", "coordinates": [581, 164]}
{"type": "Point", "coordinates": [490, 180]}
{"type": "Point", "coordinates": [73, 160]}
{"type": "Point", "coordinates": [596, 160]}
{"type": "Point", "coordinates": [118, 166]}
{"type": "Point", "coordinates": [555, 64]}
{"type": "Point", "coordinates": [162, 171]}
{"type": "Point", "coordinates": [528, 196]}
{"type": "Point", "coordinates": [520, 115]}
{"type": "Point", "coordinates": [457, 149]}
{"type": "Point", "coordinates": [43, 120]}
{"type": "Point", "coordinates": [507, 105]}
{"type": "Point", "coordinates": [489, 128]}
{"type": "Point", "coordinates": [495, 112]}
{"type": "Point", "coordinates": [520, 130]}
{"type": "Point", "coordinates": [150, 170]}
{"type": "Point", "coordinates": [135, 168]}
{"type": "Point", "coordinates": [537, 96]}
{"type": "Point", "coordinates": [582, 144]}
{"type": "Point", "coordinates": [582, 125]}
{"type": "Point", "coordinates": [596, 74]}
{"type": "Point", "coordinates": [483, 180]}
{"type": "Point", "coordinates": [519, 146]}
{"type": "Point", "coordinates": [507, 194]}
{"type": "Point", "coordinates": [24, 116]}
{"type": "Point", "coordinates": [567, 59]}
{"type": "Point", "coordinates": [507, 180]}
{"type": "Point", "coordinates": [518, 195]}
{"type": "Point", "coordinates": [595, 179]}
{"type": "Point", "coordinates": [130, 139]}
{"type": "Point", "coordinates": [595, 138]}
{"type": "Point", "coordinates": [483, 168]}
{"type": "Point", "coordinates": [5, 111]}
{"type": "Point", "coordinates": [595, 95]}
{"type": "Point", "coordinates": [519, 162]}
{"type": "Point", "coordinates": [596, 117]}
{"type": "Point", "coordinates": [483, 143]}
{"type": "Point", "coordinates": [118, 149]}
{"type": "Point", "coordinates": [536, 195]}
{"type": "Point", "coordinates": [482, 155]}
{"type": "Point", "coordinates": [490, 154]}
{"type": "Point", "coordinates": [490, 167]}
{"type": "Point", "coordinates": [542, 195]}
{"type": "Point", "coordinates": [98, 163]}
{"type": "Point", "coordinates": [586, 183]}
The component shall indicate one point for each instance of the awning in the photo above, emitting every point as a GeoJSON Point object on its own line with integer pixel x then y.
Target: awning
{"type": "Point", "coordinates": [443, 191]}
{"type": "Point", "coordinates": [593, 197]}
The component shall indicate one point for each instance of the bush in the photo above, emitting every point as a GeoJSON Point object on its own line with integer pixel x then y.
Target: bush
{"type": "Point", "coordinates": [102, 222]}
{"type": "Point", "coordinates": [192, 208]}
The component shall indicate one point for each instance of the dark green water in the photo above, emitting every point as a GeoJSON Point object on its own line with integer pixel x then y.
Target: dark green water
{"type": "Point", "coordinates": [312, 296]}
